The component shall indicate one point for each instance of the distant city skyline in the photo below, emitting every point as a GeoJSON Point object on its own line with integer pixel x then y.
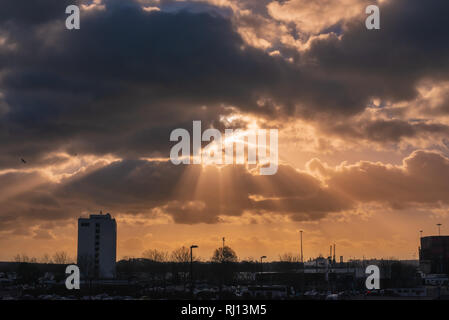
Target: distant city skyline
{"type": "Point", "coordinates": [311, 250]}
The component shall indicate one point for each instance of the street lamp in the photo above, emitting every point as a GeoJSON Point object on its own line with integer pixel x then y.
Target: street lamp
{"type": "Point", "coordinates": [191, 265]}
{"type": "Point", "coordinates": [261, 269]}
{"type": "Point", "coordinates": [261, 265]}
{"type": "Point", "coordinates": [419, 247]}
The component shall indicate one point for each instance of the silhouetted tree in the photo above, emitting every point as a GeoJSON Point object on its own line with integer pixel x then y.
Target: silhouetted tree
{"type": "Point", "coordinates": [61, 257]}
{"type": "Point", "coordinates": [224, 261]}
{"type": "Point", "coordinates": [224, 254]}
{"type": "Point", "coordinates": [288, 262]}
{"type": "Point", "coordinates": [24, 258]}
{"type": "Point", "coordinates": [46, 259]}
{"type": "Point", "coordinates": [181, 257]}
{"type": "Point", "coordinates": [289, 257]}
{"type": "Point", "coordinates": [249, 264]}
{"type": "Point", "coordinates": [157, 263]}
{"type": "Point", "coordinates": [155, 255]}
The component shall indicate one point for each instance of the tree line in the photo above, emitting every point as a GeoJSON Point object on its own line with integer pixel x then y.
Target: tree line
{"type": "Point", "coordinates": [182, 255]}
{"type": "Point", "coordinates": [59, 257]}
{"type": "Point", "coordinates": [179, 255]}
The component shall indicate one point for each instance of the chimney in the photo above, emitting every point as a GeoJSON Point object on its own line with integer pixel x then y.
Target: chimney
{"type": "Point", "coordinates": [334, 254]}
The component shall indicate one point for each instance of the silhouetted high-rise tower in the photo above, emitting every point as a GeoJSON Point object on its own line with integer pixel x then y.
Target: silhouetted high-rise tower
{"type": "Point", "coordinates": [97, 246]}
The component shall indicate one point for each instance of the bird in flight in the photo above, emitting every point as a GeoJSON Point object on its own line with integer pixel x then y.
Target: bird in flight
{"type": "Point", "coordinates": [23, 160]}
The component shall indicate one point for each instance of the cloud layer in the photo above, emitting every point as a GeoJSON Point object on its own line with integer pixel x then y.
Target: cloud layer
{"type": "Point", "coordinates": [86, 115]}
{"type": "Point", "coordinates": [128, 77]}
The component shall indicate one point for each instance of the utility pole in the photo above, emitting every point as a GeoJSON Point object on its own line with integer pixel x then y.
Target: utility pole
{"type": "Point", "coordinates": [333, 259]}
{"type": "Point", "coordinates": [261, 269]}
{"type": "Point", "coordinates": [419, 247]}
{"type": "Point", "coordinates": [222, 250]}
{"type": "Point", "coordinates": [439, 225]}
{"type": "Point", "coordinates": [191, 266]}
{"type": "Point", "coordinates": [302, 258]}
{"type": "Point", "coordinates": [261, 263]}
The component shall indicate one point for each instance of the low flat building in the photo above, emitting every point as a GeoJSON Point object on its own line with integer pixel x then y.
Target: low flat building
{"type": "Point", "coordinates": [434, 255]}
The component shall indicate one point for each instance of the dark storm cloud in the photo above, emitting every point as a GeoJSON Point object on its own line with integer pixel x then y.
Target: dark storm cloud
{"type": "Point", "coordinates": [28, 197]}
{"type": "Point", "coordinates": [192, 194]}
{"type": "Point", "coordinates": [33, 12]}
{"type": "Point", "coordinates": [189, 194]}
{"type": "Point", "coordinates": [385, 131]}
{"type": "Point", "coordinates": [410, 46]}
{"type": "Point", "coordinates": [125, 80]}
{"type": "Point", "coordinates": [128, 77]}
{"type": "Point", "coordinates": [423, 178]}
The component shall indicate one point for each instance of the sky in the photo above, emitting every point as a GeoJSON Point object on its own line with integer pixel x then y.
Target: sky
{"type": "Point", "coordinates": [362, 116]}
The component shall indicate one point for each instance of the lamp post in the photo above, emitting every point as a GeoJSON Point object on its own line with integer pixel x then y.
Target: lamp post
{"type": "Point", "coordinates": [191, 265]}
{"type": "Point", "coordinates": [261, 269]}
{"type": "Point", "coordinates": [419, 247]}
{"type": "Point", "coordinates": [261, 263]}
